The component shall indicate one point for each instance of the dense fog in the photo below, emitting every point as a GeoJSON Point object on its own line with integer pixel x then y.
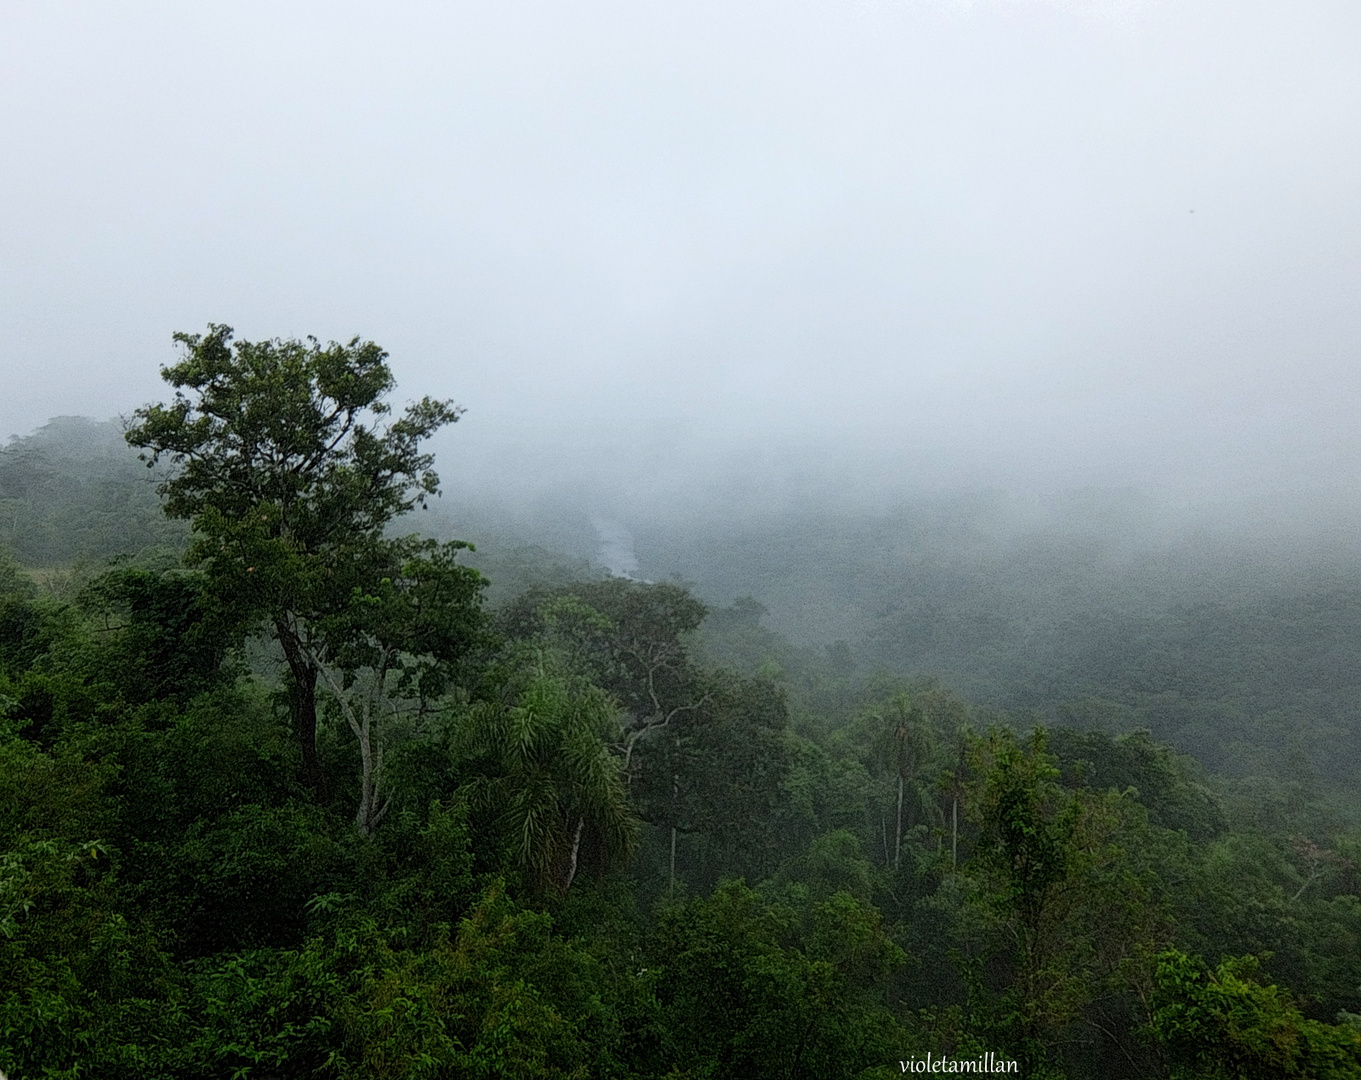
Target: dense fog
{"type": "Point", "coordinates": [722, 256]}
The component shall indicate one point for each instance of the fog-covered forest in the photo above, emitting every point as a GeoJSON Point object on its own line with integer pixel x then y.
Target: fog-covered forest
{"type": "Point", "coordinates": [812, 540]}
{"type": "Point", "coordinates": [294, 782]}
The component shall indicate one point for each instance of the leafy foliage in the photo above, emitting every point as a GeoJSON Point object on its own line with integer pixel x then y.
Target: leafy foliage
{"type": "Point", "coordinates": [1225, 1023]}
{"type": "Point", "coordinates": [290, 474]}
{"type": "Point", "coordinates": [611, 832]}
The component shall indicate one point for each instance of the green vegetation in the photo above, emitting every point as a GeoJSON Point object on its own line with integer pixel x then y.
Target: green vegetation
{"type": "Point", "coordinates": [304, 802]}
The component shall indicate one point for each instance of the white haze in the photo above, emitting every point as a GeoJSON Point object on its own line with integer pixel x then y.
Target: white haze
{"type": "Point", "coordinates": [720, 254]}
{"type": "Point", "coordinates": [614, 548]}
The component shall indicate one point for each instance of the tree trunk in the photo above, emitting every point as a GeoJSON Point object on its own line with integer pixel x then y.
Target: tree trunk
{"type": "Point", "coordinates": [572, 857]}
{"type": "Point", "coordinates": [898, 836]}
{"type": "Point", "coordinates": [370, 814]}
{"type": "Point", "coordinates": [302, 704]}
{"type": "Point", "coordinates": [675, 792]}
{"type": "Point", "coordinates": [954, 834]}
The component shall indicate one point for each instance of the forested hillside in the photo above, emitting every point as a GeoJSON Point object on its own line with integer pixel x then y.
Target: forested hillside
{"type": "Point", "coordinates": [301, 793]}
{"type": "Point", "coordinates": [74, 492]}
{"type": "Point", "coordinates": [1232, 643]}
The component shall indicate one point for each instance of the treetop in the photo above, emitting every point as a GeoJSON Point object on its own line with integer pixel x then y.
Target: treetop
{"type": "Point", "coordinates": [290, 424]}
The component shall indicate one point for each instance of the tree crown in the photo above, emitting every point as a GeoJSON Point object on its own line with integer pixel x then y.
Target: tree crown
{"type": "Point", "coordinates": [291, 434]}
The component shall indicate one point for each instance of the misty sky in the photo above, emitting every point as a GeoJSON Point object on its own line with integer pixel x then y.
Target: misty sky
{"type": "Point", "coordinates": [742, 246]}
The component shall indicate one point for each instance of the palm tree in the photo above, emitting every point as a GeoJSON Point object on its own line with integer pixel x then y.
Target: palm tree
{"type": "Point", "coordinates": [951, 785]}
{"type": "Point", "coordinates": [905, 747]}
{"type": "Point", "coordinates": [549, 778]}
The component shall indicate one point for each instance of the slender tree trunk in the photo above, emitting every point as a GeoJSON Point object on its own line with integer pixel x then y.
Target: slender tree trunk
{"type": "Point", "coordinates": [675, 796]}
{"type": "Point", "coordinates": [954, 834]}
{"type": "Point", "coordinates": [369, 814]}
{"type": "Point", "coordinates": [302, 704]}
{"type": "Point", "coordinates": [572, 859]}
{"type": "Point", "coordinates": [898, 836]}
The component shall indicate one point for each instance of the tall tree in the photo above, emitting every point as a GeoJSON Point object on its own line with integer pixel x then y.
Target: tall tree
{"type": "Point", "coordinates": [286, 460]}
{"type": "Point", "coordinates": [1073, 914]}
{"type": "Point", "coordinates": [541, 771]}
{"type": "Point", "coordinates": [392, 650]}
{"type": "Point", "coordinates": [904, 746]}
{"type": "Point", "coordinates": [630, 638]}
